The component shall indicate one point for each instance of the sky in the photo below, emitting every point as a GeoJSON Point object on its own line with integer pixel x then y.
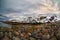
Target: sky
{"type": "Point", "coordinates": [19, 8]}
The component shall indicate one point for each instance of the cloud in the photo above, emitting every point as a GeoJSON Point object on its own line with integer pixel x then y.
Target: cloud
{"type": "Point", "coordinates": [18, 8]}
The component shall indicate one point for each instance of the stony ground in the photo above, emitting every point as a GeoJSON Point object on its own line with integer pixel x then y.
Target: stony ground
{"type": "Point", "coordinates": [47, 31]}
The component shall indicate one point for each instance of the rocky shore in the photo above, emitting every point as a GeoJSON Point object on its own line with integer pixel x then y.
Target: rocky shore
{"type": "Point", "coordinates": [46, 31]}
